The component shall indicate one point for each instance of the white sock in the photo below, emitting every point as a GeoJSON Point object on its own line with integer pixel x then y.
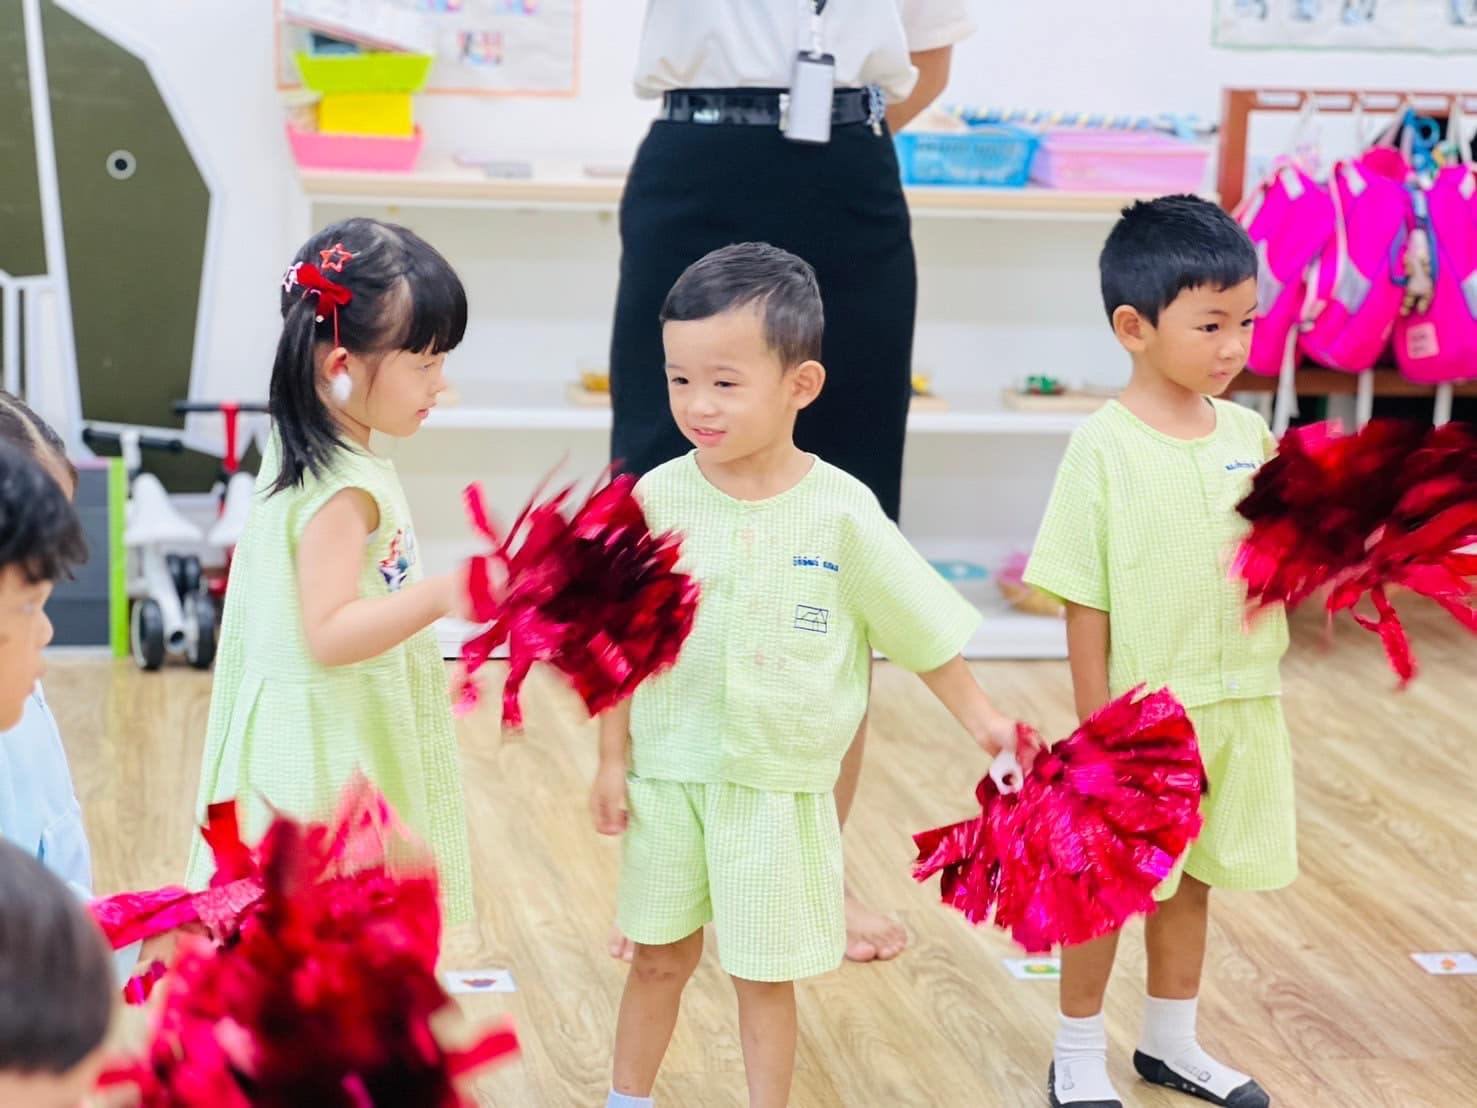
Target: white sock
{"type": "Point", "coordinates": [621, 1100]}
{"type": "Point", "coordinates": [1169, 1037]}
{"type": "Point", "coordinates": [1081, 1057]}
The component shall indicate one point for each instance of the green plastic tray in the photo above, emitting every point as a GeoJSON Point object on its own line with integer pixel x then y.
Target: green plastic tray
{"type": "Point", "coordinates": [364, 72]}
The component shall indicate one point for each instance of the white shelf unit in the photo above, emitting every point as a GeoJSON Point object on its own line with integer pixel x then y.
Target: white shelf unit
{"type": "Point", "coordinates": [542, 409]}
{"type": "Point", "coordinates": [564, 188]}
{"type": "Point", "coordinates": [573, 243]}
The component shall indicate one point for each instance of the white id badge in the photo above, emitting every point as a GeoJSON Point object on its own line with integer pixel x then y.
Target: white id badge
{"type": "Point", "coordinates": [807, 114]}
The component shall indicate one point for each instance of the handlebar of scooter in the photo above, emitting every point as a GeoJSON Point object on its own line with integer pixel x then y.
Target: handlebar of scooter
{"type": "Point", "coordinates": [91, 435]}
{"type": "Point", "coordinates": [187, 407]}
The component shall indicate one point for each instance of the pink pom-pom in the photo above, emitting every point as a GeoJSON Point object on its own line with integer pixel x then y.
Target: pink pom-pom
{"type": "Point", "coordinates": [1096, 826]}
{"type": "Point", "coordinates": [325, 992]}
{"type": "Point", "coordinates": [590, 591]}
{"type": "Point", "coordinates": [1394, 505]}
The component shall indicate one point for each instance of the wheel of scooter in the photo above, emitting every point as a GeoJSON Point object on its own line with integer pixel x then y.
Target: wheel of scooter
{"type": "Point", "coordinates": [200, 624]}
{"type": "Point", "coordinates": [146, 634]}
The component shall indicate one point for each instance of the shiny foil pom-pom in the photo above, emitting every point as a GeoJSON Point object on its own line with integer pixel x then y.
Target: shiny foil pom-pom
{"type": "Point", "coordinates": [326, 992]}
{"type": "Point", "coordinates": [1096, 826]}
{"type": "Point", "coordinates": [590, 591]}
{"type": "Point", "coordinates": [1394, 505]}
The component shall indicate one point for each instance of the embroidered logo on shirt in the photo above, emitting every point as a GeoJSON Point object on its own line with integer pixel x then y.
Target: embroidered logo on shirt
{"type": "Point", "coordinates": [1231, 467]}
{"type": "Point", "coordinates": [812, 619]}
{"type": "Point", "coordinates": [395, 566]}
{"type": "Point", "coordinates": [806, 562]}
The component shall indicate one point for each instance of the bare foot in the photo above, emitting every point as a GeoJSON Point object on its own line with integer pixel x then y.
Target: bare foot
{"type": "Point", "coordinates": [621, 948]}
{"type": "Point", "coordinates": [869, 936]}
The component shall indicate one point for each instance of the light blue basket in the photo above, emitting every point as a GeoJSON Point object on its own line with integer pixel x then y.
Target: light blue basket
{"type": "Point", "coordinates": [993, 155]}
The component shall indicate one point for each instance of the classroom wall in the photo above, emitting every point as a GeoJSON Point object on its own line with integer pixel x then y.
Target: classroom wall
{"type": "Point", "coordinates": [214, 58]}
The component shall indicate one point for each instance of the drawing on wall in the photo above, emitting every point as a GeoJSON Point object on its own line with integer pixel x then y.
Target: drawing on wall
{"type": "Point", "coordinates": [1433, 26]}
{"type": "Point", "coordinates": [482, 47]}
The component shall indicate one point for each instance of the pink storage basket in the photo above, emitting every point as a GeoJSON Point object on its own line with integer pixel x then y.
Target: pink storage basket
{"type": "Point", "coordinates": [373, 153]}
{"type": "Point", "coordinates": [1440, 344]}
{"type": "Point", "coordinates": [1118, 161]}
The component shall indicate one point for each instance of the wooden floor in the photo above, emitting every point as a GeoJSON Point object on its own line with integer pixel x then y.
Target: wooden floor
{"type": "Point", "coordinates": [1311, 989]}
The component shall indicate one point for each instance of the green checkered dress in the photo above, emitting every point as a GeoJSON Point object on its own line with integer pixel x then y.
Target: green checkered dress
{"type": "Point", "coordinates": [286, 732]}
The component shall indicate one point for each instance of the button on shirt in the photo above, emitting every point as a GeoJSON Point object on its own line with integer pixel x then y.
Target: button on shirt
{"type": "Point", "coordinates": [1144, 526]}
{"type": "Point", "coordinates": [797, 590]}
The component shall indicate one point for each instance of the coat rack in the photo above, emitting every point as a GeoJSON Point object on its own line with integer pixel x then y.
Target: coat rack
{"type": "Point", "coordinates": [1237, 104]}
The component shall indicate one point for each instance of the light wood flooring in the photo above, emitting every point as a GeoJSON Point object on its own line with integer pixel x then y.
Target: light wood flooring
{"type": "Point", "coordinates": [1311, 989]}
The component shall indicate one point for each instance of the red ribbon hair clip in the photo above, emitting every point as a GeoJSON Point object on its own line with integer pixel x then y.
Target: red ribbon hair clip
{"type": "Point", "coordinates": [331, 295]}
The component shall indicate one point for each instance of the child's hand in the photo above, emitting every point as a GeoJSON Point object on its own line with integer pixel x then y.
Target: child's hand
{"type": "Point", "coordinates": [161, 947]}
{"type": "Point", "coordinates": [608, 798]}
{"type": "Point", "coordinates": [999, 734]}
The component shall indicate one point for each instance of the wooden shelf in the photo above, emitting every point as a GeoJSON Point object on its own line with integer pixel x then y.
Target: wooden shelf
{"type": "Point", "coordinates": [573, 418]}
{"type": "Point", "coordinates": [453, 186]}
{"type": "Point", "coordinates": [1314, 381]}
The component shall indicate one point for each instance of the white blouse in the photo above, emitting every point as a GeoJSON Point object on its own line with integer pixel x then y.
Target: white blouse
{"type": "Point", "coordinates": [753, 43]}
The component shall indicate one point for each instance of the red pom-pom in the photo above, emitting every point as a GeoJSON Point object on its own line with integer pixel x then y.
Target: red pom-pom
{"type": "Point", "coordinates": [326, 993]}
{"type": "Point", "coordinates": [1393, 505]}
{"type": "Point", "coordinates": [1096, 826]}
{"type": "Point", "coordinates": [593, 593]}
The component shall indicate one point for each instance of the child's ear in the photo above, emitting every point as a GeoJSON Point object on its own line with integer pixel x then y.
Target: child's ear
{"type": "Point", "coordinates": [1132, 329]}
{"type": "Point", "coordinates": [334, 362]}
{"type": "Point", "coordinates": [806, 381]}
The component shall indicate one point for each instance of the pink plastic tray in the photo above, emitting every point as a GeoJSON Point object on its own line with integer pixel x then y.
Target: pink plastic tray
{"type": "Point", "coordinates": [1118, 161]}
{"type": "Point", "coordinates": [376, 153]}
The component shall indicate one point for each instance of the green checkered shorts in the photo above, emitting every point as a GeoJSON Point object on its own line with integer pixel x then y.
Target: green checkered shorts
{"type": "Point", "coordinates": [764, 867]}
{"type": "Point", "coordinates": [1250, 835]}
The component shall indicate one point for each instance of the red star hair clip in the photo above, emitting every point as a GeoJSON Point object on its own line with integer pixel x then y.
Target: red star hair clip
{"type": "Point", "coordinates": [331, 295]}
{"type": "Point", "coordinates": [334, 257]}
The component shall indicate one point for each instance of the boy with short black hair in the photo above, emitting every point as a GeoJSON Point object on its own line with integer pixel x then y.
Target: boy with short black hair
{"type": "Point", "coordinates": [736, 750]}
{"type": "Point", "coordinates": [1137, 541]}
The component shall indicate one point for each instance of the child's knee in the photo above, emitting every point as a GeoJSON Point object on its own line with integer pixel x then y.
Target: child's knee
{"type": "Point", "coordinates": [667, 962]}
{"type": "Point", "coordinates": [1192, 891]}
{"type": "Point", "coordinates": [764, 991]}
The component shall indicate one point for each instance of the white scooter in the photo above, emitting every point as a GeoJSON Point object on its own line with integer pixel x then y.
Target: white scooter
{"type": "Point", "coordinates": [172, 612]}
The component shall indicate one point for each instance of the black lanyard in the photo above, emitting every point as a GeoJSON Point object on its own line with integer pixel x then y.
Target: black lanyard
{"type": "Point", "coordinates": [818, 6]}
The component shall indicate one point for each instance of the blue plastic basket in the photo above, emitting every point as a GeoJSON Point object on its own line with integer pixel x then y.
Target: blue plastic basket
{"type": "Point", "coordinates": [998, 156]}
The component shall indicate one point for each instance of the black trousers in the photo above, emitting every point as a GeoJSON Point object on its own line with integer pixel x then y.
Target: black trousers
{"type": "Point", "coordinates": [697, 187]}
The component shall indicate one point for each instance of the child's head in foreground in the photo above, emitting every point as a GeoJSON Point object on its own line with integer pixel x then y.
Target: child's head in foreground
{"type": "Point", "coordinates": [40, 541]}
{"type": "Point", "coordinates": [742, 331]}
{"type": "Point", "coordinates": [56, 988]}
{"type": "Point", "coordinates": [1179, 286]}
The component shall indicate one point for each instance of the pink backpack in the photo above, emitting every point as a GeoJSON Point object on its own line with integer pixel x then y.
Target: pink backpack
{"type": "Point", "coordinates": [1289, 216]}
{"type": "Point", "coordinates": [1439, 343]}
{"type": "Point", "coordinates": [1360, 274]}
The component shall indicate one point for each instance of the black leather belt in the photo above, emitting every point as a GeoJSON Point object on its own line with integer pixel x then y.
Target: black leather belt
{"type": "Point", "coordinates": [756, 107]}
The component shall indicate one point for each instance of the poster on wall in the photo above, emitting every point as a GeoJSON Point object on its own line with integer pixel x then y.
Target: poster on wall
{"type": "Point", "coordinates": [1433, 26]}
{"type": "Point", "coordinates": [482, 47]}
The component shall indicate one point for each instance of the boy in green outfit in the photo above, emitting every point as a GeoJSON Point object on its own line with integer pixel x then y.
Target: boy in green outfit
{"type": "Point", "coordinates": [735, 751]}
{"type": "Point", "coordinates": [1137, 541]}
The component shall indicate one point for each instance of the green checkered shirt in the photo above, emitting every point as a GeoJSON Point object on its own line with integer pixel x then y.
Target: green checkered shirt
{"type": "Point", "coordinates": [1144, 526]}
{"type": "Point", "coordinates": [798, 589]}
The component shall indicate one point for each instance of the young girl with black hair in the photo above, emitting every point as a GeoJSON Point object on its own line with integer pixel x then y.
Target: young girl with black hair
{"type": "Point", "coordinates": [328, 662]}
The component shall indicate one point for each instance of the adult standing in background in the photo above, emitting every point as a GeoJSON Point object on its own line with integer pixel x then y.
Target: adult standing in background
{"type": "Point", "coordinates": [739, 152]}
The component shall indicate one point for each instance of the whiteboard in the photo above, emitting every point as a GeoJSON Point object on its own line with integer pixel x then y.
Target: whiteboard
{"type": "Point", "coordinates": [482, 47]}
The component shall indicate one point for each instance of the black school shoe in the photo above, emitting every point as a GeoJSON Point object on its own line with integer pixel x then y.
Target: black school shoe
{"type": "Point", "coordinates": [1249, 1095]}
{"type": "Point", "coordinates": [1055, 1103]}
